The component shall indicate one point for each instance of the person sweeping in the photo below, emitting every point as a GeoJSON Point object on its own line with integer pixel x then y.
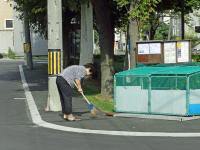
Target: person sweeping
{"type": "Point", "coordinates": [70, 78]}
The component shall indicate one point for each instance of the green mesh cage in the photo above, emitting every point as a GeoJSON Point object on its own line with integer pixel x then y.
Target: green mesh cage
{"type": "Point", "coordinates": [159, 89]}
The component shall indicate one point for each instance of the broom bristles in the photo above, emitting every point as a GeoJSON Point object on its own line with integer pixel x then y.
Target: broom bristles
{"type": "Point", "coordinates": [93, 112]}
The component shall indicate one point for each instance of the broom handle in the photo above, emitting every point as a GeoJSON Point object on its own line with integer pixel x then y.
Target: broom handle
{"type": "Point", "coordinates": [85, 98]}
{"type": "Point", "coordinates": [83, 95]}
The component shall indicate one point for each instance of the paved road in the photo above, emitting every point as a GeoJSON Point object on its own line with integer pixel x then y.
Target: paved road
{"type": "Point", "coordinates": [17, 132]}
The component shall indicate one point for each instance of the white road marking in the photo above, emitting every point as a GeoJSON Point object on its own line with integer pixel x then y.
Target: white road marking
{"type": "Point", "coordinates": [41, 62]}
{"type": "Point", "coordinates": [19, 98]}
{"type": "Point", "coordinates": [36, 118]}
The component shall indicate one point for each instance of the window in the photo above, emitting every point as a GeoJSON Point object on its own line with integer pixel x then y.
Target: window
{"type": "Point", "coordinates": [197, 29]}
{"type": "Point", "coordinates": [9, 24]}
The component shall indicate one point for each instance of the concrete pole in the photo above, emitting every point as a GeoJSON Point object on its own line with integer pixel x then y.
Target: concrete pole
{"type": "Point", "coordinates": [54, 43]}
{"type": "Point", "coordinates": [86, 53]}
{"type": "Point", "coordinates": [178, 27]}
{"type": "Point", "coordinates": [170, 29]}
{"type": "Point", "coordinates": [27, 45]}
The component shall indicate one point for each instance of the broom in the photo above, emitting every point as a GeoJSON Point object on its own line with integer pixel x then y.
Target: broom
{"type": "Point", "coordinates": [93, 110]}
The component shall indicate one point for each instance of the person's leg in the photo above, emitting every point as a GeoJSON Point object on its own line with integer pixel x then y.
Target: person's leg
{"type": "Point", "coordinates": [66, 98]}
{"type": "Point", "coordinates": [61, 96]}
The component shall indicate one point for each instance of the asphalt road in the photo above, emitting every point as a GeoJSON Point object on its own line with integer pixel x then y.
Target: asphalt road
{"type": "Point", "coordinates": [17, 132]}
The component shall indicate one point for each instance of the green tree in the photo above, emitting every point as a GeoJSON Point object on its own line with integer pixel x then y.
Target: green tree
{"type": "Point", "coordinates": [139, 11]}
{"type": "Point", "coordinates": [37, 14]}
{"type": "Point", "coordinates": [162, 32]}
{"type": "Point", "coordinates": [181, 7]}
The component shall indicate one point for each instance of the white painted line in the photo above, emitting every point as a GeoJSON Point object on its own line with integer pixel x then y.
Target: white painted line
{"type": "Point", "coordinates": [41, 62]}
{"type": "Point", "coordinates": [160, 117]}
{"type": "Point", "coordinates": [36, 118]}
{"type": "Point", "coordinates": [19, 98]}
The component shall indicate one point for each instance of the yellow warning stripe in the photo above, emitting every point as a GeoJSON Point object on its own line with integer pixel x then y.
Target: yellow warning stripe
{"type": "Point", "coordinates": [50, 63]}
{"type": "Point", "coordinates": [58, 62]}
{"type": "Point", "coordinates": [54, 62]}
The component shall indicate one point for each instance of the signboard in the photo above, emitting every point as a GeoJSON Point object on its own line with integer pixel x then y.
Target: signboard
{"type": "Point", "coordinates": [149, 52]}
{"type": "Point", "coordinates": [183, 51]}
{"type": "Point", "coordinates": [156, 52]}
{"type": "Point", "coordinates": [155, 48]}
{"type": "Point", "coordinates": [170, 52]}
{"type": "Point", "coordinates": [149, 48]}
{"type": "Point", "coordinates": [143, 49]}
{"type": "Point", "coordinates": [27, 47]}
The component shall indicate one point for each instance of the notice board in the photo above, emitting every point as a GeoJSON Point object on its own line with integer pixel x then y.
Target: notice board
{"type": "Point", "coordinates": [168, 52]}
{"type": "Point", "coordinates": [150, 53]}
{"type": "Point", "coordinates": [183, 51]}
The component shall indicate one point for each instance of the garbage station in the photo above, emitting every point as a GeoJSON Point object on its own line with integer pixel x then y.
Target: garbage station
{"type": "Point", "coordinates": [158, 90]}
{"type": "Point", "coordinates": [168, 83]}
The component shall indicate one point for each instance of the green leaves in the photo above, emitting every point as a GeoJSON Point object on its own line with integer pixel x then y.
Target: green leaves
{"type": "Point", "coordinates": [141, 9]}
{"type": "Point", "coordinates": [122, 3]}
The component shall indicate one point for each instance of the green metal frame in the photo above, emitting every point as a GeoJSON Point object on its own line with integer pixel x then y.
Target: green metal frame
{"type": "Point", "coordinates": [149, 94]}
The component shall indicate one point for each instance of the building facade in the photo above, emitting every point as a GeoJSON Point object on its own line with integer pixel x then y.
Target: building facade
{"type": "Point", "coordinates": [12, 32]}
{"type": "Point", "coordinates": [6, 26]}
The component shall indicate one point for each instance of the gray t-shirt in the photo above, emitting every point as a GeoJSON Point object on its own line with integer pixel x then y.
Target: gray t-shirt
{"type": "Point", "coordinates": [71, 73]}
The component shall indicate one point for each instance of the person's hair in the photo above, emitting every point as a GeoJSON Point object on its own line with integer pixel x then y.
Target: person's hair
{"type": "Point", "coordinates": [91, 67]}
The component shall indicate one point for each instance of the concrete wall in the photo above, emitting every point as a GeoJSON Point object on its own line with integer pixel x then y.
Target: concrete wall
{"type": "Point", "coordinates": [18, 35]}
{"type": "Point", "coordinates": [6, 41]}
{"type": "Point", "coordinates": [39, 44]}
{"type": "Point", "coordinates": [195, 21]}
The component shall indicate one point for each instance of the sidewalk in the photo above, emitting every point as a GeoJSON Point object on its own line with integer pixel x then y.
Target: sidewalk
{"type": "Point", "coordinates": [37, 80]}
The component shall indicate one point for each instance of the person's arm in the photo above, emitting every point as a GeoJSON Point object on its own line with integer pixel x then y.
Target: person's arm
{"type": "Point", "coordinates": [78, 84]}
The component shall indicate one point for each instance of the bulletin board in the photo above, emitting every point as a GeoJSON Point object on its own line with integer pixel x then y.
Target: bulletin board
{"type": "Point", "coordinates": [168, 52]}
{"type": "Point", "coordinates": [150, 53]}
{"type": "Point", "coordinates": [183, 51]}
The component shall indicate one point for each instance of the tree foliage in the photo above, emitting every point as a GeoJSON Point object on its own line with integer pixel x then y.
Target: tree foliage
{"type": "Point", "coordinates": [36, 13]}
{"type": "Point", "coordinates": [142, 11]}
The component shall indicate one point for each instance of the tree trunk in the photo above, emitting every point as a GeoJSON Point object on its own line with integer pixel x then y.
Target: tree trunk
{"type": "Point", "coordinates": [106, 42]}
{"type": "Point", "coordinates": [66, 44]}
{"type": "Point", "coordinates": [152, 32]}
{"type": "Point", "coordinates": [126, 61]}
{"type": "Point", "coordinates": [182, 25]}
{"type": "Point", "coordinates": [86, 52]}
{"type": "Point", "coordinates": [154, 24]}
{"type": "Point", "coordinates": [133, 33]}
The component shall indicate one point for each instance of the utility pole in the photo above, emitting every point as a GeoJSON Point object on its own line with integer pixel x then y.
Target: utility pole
{"type": "Point", "coordinates": [170, 28]}
{"type": "Point", "coordinates": [55, 50]}
{"type": "Point", "coordinates": [86, 53]}
{"type": "Point", "coordinates": [27, 45]}
{"type": "Point", "coordinates": [182, 22]}
{"type": "Point", "coordinates": [178, 28]}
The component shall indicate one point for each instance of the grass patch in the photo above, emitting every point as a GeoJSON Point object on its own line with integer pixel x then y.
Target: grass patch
{"type": "Point", "coordinates": [91, 90]}
{"type": "Point", "coordinates": [11, 54]}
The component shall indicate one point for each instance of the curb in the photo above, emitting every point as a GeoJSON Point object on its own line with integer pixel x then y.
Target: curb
{"type": "Point", "coordinates": [36, 118]}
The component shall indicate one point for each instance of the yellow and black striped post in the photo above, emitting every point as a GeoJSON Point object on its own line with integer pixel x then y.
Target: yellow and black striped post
{"type": "Point", "coordinates": [54, 62]}
{"type": "Point", "coordinates": [27, 47]}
